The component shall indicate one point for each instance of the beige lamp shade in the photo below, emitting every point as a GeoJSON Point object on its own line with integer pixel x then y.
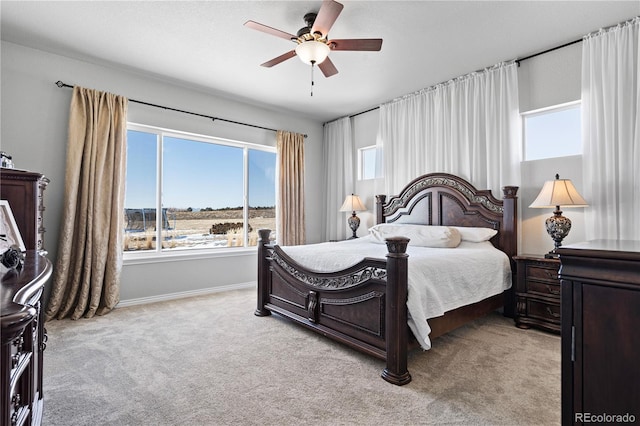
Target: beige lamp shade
{"type": "Point", "coordinates": [352, 204]}
{"type": "Point", "coordinates": [558, 192]}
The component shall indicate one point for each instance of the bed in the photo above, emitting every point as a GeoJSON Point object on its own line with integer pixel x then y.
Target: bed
{"type": "Point", "coordinates": [362, 301]}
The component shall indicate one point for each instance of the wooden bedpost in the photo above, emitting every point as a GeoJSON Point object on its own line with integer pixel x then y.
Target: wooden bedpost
{"type": "Point", "coordinates": [510, 221]}
{"type": "Point", "coordinates": [396, 334]}
{"type": "Point", "coordinates": [380, 200]}
{"type": "Point", "coordinates": [263, 272]}
{"type": "Point", "coordinates": [509, 233]}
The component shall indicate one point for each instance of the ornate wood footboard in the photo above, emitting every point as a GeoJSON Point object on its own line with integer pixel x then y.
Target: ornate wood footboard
{"type": "Point", "coordinates": [364, 306]}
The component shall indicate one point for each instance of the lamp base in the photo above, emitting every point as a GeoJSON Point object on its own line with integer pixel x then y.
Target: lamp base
{"type": "Point", "coordinates": [558, 228]}
{"type": "Point", "coordinates": [354, 224]}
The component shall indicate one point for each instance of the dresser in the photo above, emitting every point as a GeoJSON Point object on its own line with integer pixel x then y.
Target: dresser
{"type": "Point", "coordinates": [23, 341]}
{"type": "Point", "coordinates": [24, 190]}
{"type": "Point", "coordinates": [21, 314]}
{"type": "Point", "coordinates": [600, 332]}
{"type": "Point", "coordinates": [537, 293]}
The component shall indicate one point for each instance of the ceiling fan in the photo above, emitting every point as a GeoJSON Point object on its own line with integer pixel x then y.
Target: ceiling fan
{"type": "Point", "coordinates": [313, 43]}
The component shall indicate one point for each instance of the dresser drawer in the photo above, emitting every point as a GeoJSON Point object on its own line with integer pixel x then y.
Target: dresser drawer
{"type": "Point", "coordinates": [544, 273]}
{"type": "Point", "coordinates": [19, 409]}
{"type": "Point", "coordinates": [19, 385]}
{"type": "Point", "coordinates": [18, 357]}
{"type": "Point", "coordinates": [545, 311]}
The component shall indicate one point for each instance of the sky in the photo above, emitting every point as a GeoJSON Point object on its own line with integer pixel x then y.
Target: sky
{"type": "Point", "coordinates": [553, 134]}
{"type": "Point", "coordinates": [196, 174]}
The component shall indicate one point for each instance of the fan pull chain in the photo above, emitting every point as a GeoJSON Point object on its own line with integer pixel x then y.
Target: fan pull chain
{"type": "Point", "coordinates": [312, 64]}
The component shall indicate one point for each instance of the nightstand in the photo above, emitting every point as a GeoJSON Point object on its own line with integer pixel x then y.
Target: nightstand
{"type": "Point", "coordinates": [537, 293]}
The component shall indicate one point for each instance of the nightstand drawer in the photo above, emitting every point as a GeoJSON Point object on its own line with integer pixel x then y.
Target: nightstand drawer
{"type": "Point", "coordinates": [537, 293]}
{"type": "Point", "coordinates": [544, 311]}
{"type": "Point", "coordinates": [543, 288]}
{"type": "Point", "coordinates": [543, 273]}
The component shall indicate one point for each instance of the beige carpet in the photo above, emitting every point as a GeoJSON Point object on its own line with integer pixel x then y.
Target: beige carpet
{"type": "Point", "coordinates": [209, 361]}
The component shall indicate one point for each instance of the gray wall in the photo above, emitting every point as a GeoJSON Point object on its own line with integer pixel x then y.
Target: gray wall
{"type": "Point", "coordinates": [35, 115]}
{"type": "Point", "coordinates": [550, 79]}
{"type": "Point", "coordinates": [545, 80]}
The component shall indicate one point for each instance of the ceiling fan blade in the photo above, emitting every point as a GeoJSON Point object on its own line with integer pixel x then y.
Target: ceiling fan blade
{"type": "Point", "coordinates": [269, 30]}
{"type": "Point", "coordinates": [370, 44]}
{"type": "Point", "coordinates": [281, 58]}
{"type": "Point", "coordinates": [327, 15]}
{"type": "Point", "coordinates": [327, 68]}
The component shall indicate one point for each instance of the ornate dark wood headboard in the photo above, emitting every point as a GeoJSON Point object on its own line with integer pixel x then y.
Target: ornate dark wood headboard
{"type": "Point", "coordinates": [448, 200]}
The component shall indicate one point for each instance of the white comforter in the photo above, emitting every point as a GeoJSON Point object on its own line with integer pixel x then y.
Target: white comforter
{"type": "Point", "coordinates": [440, 279]}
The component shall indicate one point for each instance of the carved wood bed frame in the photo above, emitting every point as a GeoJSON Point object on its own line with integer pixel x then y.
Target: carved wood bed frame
{"type": "Point", "coordinates": [364, 306]}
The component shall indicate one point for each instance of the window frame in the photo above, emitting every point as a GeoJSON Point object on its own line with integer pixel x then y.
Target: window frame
{"type": "Point", "coordinates": [361, 162]}
{"type": "Point", "coordinates": [543, 111]}
{"type": "Point", "coordinates": [160, 255]}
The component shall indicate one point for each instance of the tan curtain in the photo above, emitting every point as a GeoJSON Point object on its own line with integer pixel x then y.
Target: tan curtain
{"type": "Point", "coordinates": [87, 273]}
{"type": "Point", "coordinates": [290, 188]}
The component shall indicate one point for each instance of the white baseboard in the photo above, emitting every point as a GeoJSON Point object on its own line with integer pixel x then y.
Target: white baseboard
{"type": "Point", "coordinates": [183, 294]}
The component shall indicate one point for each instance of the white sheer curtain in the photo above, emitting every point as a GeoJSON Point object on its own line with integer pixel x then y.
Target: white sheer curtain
{"type": "Point", "coordinates": [338, 147]}
{"type": "Point", "coordinates": [468, 126]}
{"type": "Point", "coordinates": [611, 131]}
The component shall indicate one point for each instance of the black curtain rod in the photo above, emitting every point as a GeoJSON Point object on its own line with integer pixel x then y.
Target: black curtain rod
{"type": "Point", "coordinates": [352, 115]}
{"type": "Point", "coordinates": [566, 44]}
{"type": "Point", "coordinates": [364, 112]}
{"type": "Point", "coordinates": [547, 51]}
{"type": "Point", "coordinates": [61, 84]}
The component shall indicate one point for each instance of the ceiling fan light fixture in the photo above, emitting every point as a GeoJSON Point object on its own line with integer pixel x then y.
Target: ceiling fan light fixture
{"type": "Point", "coordinates": [312, 51]}
{"type": "Point", "coordinates": [313, 43]}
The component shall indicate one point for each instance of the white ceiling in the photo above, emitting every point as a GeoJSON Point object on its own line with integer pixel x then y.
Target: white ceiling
{"type": "Point", "coordinates": [203, 44]}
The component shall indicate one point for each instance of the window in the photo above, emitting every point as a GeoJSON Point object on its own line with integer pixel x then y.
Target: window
{"type": "Point", "coordinates": [186, 192]}
{"type": "Point", "coordinates": [367, 158]}
{"type": "Point", "coordinates": [552, 132]}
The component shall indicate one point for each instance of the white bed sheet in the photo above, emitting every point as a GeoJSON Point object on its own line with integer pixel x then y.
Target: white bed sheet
{"type": "Point", "coordinates": [440, 279]}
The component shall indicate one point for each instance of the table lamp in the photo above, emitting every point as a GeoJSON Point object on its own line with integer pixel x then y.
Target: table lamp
{"type": "Point", "coordinates": [556, 193]}
{"type": "Point", "coordinates": [353, 204]}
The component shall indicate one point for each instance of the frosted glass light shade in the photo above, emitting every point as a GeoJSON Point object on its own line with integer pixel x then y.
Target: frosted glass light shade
{"type": "Point", "coordinates": [312, 51]}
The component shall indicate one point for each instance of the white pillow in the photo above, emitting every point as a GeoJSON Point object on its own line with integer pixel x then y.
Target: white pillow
{"type": "Point", "coordinates": [474, 234]}
{"type": "Point", "coordinates": [419, 235]}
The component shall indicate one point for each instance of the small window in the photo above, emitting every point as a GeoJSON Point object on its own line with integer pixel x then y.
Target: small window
{"type": "Point", "coordinates": [367, 157]}
{"type": "Point", "coordinates": [552, 132]}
